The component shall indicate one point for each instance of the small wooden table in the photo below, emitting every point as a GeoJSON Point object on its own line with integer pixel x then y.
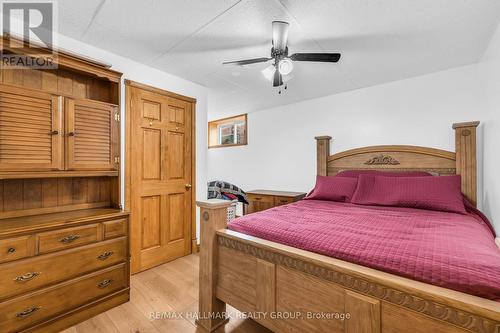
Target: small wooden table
{"type": "Point", "coordinates": [264, 199]}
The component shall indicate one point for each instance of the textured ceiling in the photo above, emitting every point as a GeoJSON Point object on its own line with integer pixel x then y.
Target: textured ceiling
{"type": "Point", "coordinates": [380, 41]}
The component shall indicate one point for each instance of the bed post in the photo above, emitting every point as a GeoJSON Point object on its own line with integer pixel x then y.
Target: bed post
{"type": "Point", "coordinates": [465, 148]}
{"type": "Point", "coordinates": [322, 154]}
{"type": "Point", "coordinates": [213, 216]}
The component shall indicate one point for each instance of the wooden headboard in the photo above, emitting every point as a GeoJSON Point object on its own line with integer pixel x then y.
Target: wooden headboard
{"type": "Point", "coordinates": [409, 158]}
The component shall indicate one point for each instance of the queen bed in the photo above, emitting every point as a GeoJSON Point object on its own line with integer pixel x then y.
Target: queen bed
{"type": "Point", "coordinates": [326, 266]}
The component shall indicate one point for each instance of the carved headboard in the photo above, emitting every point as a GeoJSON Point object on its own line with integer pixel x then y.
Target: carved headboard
{"type": "Point", "coordinates": [409, 158]}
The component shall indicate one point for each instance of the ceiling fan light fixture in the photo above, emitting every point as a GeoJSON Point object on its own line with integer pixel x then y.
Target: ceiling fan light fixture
{"type": "Point", "coordinates": [279, 72]}
{"type": "Point", "coordinates": [268, 72]}
{"type": "Point", "coordinates": [285, 66]}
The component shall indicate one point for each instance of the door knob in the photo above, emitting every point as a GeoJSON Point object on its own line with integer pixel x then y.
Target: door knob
{"type": "Point", "coordinates": [188, 186]}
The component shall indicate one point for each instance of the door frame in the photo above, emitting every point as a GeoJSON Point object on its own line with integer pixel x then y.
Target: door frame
{"type": "Point", "coordinates": [129, 84]}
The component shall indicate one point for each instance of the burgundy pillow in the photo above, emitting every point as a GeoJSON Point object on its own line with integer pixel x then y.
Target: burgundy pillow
{"type": "Point", "coordinates": [434, 193]}
{"type": "Point", "coordinates": [333, 189]}
{"type": "Point", "coordinates": [357, 173]}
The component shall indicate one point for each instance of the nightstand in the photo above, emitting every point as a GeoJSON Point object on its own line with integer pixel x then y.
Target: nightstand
{"type": "Point", "coordinates": [259, 200]}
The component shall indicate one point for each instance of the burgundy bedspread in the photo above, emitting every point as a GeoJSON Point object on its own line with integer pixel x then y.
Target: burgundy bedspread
{"type": "Point", "coordinates": [450, 250]}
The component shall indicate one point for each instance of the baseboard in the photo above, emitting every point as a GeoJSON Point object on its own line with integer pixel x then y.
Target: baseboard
{"type": "Point", "coordinates": [195, 247]}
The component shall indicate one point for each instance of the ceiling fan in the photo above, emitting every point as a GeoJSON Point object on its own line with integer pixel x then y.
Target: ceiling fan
{"type": "Point", "coordinates": [282, 62]}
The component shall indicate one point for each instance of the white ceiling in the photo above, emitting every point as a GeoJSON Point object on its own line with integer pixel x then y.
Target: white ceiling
{"type": "Point", "coordinates": [380, 41]}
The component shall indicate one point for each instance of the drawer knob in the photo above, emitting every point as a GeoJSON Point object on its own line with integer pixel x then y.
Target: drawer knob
{"type": "Point", "coordinates": [27, 277]}
{"type": "Point", "coordinates": [27, 312]}
{"type": "Point", "coordinates": [70, 238]}
{"type": "Point", "coordinates": [105, 255]}
{"type": "Point", "coordinates": [11, 250]}
{"type": "Point", "coordinates": [104, 283]}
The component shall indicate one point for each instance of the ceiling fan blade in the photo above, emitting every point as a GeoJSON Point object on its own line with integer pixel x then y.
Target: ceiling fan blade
{"type": "Point", "coordinates": [277, 79]}
{"type": "Point", "coordinates": [280, 35]}
{"type": "Point", "coordinates": [318, 57]}
{"type": "Point", "coordinates": [246, 62]}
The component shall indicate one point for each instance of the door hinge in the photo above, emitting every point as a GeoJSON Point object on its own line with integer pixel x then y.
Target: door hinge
{"type": "Point", "coordinates": [117, 159]}
{"type": "Point", "coordinates": [117, 116]}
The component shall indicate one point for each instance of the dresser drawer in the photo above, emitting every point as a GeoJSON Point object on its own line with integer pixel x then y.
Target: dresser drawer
{"type": "Point", "coordinates": [67, 238]}
{"type": "Point", "coordinates": [29, 274]}
{"type": "Point", "coordinates": [261, 198]}
{"type": "Point", "coordinates": [16, 248]}
{"type": "Point", "coordinates": [22, 312]}
{"type": "Point", "coordinates": [278, 201]}
{"type": "Point", "coordinates": [115, 228]}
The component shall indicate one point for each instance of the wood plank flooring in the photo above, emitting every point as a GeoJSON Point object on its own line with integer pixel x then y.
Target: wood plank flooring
{"type": "Point", "coordinates": [166, 289]}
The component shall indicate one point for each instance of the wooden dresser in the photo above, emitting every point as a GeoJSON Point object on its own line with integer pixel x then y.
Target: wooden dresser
{"type": "Point", "coordinates": [57, 269]}
{"type": "Point", "coordinates": [64, 254]}
{"type": "Point", "coordinates": [259, 200]}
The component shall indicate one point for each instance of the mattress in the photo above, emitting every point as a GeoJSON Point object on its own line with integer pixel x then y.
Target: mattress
{"type": "Point", "coordinates": [454, 251]}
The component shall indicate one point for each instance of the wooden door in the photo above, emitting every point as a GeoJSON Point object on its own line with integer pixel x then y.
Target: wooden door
{"type": "Point", "coordinates": [30, 130]}
{"type": "Point", "coordinates": [91, 135]}
{"type": "Point", "coordinates": [161, 162]}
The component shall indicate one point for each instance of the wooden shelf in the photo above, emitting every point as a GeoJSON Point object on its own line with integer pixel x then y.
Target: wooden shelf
{"type": "Point", "coordinates": [16, 225]}
{"type": "Point", "coordinates": [277, 193]}
{"type": "Point", "coordinates": [56, 174]}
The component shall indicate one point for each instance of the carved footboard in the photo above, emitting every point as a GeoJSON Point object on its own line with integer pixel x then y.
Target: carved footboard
{"type": "Point", "coordinates": [291, 290]}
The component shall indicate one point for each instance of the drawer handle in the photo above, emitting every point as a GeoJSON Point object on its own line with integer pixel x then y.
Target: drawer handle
{"type": "Point", "coordinates": [28, 312]}
{"type": "Point", "coordinates": [70, 238]}
{"type": "Point", "coordinates": [11, 250]}
{"type": "Point", "coordinates": [257, 198]}
{"type": "Point", "coordinates": [283, 201]}
{"type": "Point", "coordinates": [27, 277]}
{"type": "Point", "coordinates": [104, 283]}
{"type": "Point", "coordinates": [105, 255]}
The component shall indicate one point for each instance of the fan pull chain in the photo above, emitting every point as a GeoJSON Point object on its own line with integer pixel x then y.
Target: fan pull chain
{"type": "Point", "coordinates": [286, 87]}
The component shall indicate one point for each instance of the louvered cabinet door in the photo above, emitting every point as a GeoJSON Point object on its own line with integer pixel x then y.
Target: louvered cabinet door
{"type": "Point", "coordinates": [91, 135]}
{"type": "Point", "coordinates": [30, 130]}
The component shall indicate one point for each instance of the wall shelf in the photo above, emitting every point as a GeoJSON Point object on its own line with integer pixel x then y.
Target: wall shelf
{"type": "Point", "coordinates": [57, 174]}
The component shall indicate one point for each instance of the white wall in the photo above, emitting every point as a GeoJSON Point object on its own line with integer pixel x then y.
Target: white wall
{"type": "Point", "coordinates": [491, 190]}
{"type": "Point", "coordinates": [141, 73]}
{"type": "Point", "coordinates": [418, 111]}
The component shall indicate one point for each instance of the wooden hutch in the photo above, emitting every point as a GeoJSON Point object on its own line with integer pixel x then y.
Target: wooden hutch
{"type": "Point", "coordinates": [64, 253]}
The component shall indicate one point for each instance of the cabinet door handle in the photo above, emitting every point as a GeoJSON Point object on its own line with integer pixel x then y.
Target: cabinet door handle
{"type": "Point", "coordinates": [71, 133]}
{"type": "Point", "coordinates": [104, 283]}
{"type": "Point", "coordinates": [28, 312]}
{"type": "Point", "coordinates": [11, 250]}
{"type": "Point", "coordinates": [27, 277]}
{"type": "Point", "coordinates": [105, 255]}
{"type": "Point", "coordinates": [54, 132]}
{"type": "Point", "coordinates": [69, 239]}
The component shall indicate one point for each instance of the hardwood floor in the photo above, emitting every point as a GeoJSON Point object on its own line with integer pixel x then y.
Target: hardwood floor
{"type": "Point", "coordinates": [164, 290]}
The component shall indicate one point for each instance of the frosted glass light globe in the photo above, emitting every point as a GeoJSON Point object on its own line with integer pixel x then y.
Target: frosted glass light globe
{"type": "Point", "coordinates": [285, 66]}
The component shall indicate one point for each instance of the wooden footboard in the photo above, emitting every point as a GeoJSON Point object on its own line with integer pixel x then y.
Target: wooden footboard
{"type": "Point", "coordinates": [291, 290]}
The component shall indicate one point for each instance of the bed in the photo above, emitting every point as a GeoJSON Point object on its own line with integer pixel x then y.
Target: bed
{"type": "Point", "coordinates": [279, 268]}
